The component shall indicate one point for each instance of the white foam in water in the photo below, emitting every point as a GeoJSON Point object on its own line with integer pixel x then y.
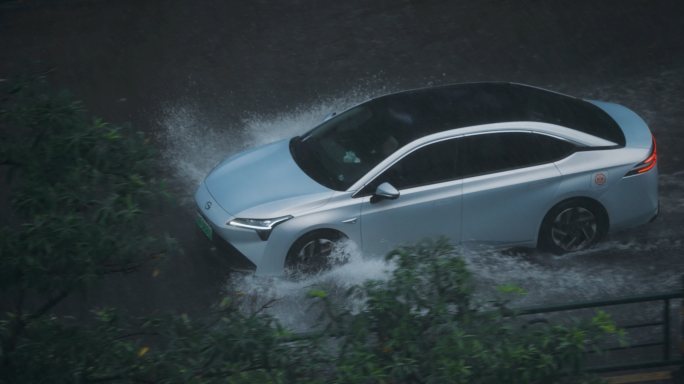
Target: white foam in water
{"type": "Point", "coordinates": [193, 144]}
{"type": "Point", "coordinates": [562, 281]}
{"type": "Point", "coordinates": [291, 294]}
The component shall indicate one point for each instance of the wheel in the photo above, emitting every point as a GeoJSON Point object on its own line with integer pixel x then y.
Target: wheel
{"type": "Point", "coordinates": [314, 253]}
{"type": "Point", "coordinates": [573, 225]}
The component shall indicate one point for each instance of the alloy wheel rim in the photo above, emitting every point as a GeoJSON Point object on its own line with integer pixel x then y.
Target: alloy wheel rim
{"type": "Point", "coordinates": [314, 255]}
{"type": "Point", "coordinates": [574, 229]}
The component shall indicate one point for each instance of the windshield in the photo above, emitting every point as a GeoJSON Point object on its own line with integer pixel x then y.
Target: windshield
{"type": "Point", "coordinates": [340, 151]}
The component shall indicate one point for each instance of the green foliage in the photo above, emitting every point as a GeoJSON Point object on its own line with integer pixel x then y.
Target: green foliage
{"type": "Point", "coordinates": [422, 326]}
{"type": "Point", "coordinates": [82, 189]}
{"type": "Point", "coordinates": [226, 348]}
{"type": "Point", "coordinates": [603, 321]}
{"type": "Point", "coordinates": [510, 288]}
{"type": "Point", "coordinates": [84, 192]}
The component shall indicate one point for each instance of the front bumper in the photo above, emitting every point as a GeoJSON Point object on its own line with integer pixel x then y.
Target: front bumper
{"type": "Point", "coordinates": [243, 247]}
{"type": "Point", "coordinates": [234, 258]}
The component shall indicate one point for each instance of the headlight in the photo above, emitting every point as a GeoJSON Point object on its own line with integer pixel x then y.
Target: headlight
{"type": "Point", "coordinates": [262, 226]}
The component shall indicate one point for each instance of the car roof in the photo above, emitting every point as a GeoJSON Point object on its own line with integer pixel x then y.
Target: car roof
{"type": "Point", "coordinates": [431, 110]}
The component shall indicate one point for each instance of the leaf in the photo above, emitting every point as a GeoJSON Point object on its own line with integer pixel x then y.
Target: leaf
{"type": "Point", "coordinates": [316, 293]}
{"type": "Point", "coordinates": [143, 351]}
{"type": "Point", "coordinates": [510, 288]}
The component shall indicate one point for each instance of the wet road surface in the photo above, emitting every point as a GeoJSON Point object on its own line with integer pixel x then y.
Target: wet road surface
{"type": "Point", "coordinates": [206, 79]}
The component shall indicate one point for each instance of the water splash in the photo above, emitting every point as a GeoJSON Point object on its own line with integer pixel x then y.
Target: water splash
{"type": "Point", "coordinates": [193, 141]}
{"type": "Point", "coordinates": [292, 303]}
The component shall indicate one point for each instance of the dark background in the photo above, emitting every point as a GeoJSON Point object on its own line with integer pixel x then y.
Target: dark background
{"type": "Point", "coordinates": [204, 78]}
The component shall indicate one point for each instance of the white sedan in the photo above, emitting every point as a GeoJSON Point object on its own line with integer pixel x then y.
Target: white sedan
{"type": "Point", "coordinates": [497, 164]}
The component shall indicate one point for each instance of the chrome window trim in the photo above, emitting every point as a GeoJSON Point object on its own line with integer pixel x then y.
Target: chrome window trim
{"type": "Point", "coordinates": [585, 141]}
{"type": "Point", "coordinates": [522, 167]}
{"type": "Point", "coordinates": [354, 195]}
{"type": "Point", "coordinates": [499, 131]}
{"type": "Point", "coordinates": [529, 131]}
{"type": "Point", "coordinates": [560, 138]}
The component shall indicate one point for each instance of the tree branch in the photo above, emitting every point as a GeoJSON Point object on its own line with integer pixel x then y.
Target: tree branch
{"type": "Point", "coordinates": [104, 379]}
{"type": "Point", "coordinates": [134, 267]}
{"type": "Point", "coordinates": [21, 323]}
{"type": "Point", "coordinates": [118, 377]}
{"type": "Point", "coordinates": [136, 334]}
{"type": "Point", "coordinates": [20, 303]}
{"type": "Point", "coordinates": [265, 306]}
{"type": "Point", "coordinates": [47, 306]}
{"type": "Point", "coordinates": [231, 373]}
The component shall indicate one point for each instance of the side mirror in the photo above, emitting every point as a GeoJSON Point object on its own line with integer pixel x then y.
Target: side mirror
{"type": "Point", "coordinates": [385, 191]}
{"type": "Point", "coordinates": [329, 116]}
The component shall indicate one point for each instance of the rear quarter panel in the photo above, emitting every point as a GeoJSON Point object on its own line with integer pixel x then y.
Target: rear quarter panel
{"type": "Point", "coordinates": [579, 179]}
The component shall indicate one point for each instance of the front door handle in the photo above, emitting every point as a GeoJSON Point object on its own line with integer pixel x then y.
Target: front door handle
{"type": "Point", "coordinates": [350, 221]}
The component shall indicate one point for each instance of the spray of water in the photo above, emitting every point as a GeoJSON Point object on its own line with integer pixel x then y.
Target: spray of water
{"type": "Point", "coordinates": [193, 143]}
{"type": "Point", "coordinates": [291, 305]}
{"type": "Point", "coordinates": [195, 140]}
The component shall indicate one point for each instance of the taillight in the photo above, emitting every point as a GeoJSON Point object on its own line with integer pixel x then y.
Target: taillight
{"type": "Point", "coordinates": [647, 164]}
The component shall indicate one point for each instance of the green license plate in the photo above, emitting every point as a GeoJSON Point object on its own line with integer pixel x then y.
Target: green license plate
{"type": "Point", "coordinates": [205, 227]}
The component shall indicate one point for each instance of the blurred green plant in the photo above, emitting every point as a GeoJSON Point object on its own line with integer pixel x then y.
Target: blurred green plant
{"type": "Point", "coordinates": [422, 326]}
{"type": "Point", "coordinates": [83, 193]}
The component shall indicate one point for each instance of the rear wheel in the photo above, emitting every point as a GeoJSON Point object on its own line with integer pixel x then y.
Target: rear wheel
{"type": "Point", "coordinates": [314, 253]}
{"type": "Point", "coordinates": [572, 226]}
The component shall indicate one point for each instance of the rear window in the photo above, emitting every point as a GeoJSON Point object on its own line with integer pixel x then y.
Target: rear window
{"type": "Point", "coordinates": [553, 149]}
{"type": "Point", "coordinates": [549, 107]}
{"type": "Point", "coordinates": [498, 152]}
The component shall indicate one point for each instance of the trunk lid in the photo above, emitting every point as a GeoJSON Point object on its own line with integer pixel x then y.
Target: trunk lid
{"type": "Point", "coordinates": [637, 133]}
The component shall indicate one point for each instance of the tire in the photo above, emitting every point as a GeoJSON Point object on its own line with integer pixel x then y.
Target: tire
{"type": "Point", "coordinates": [312, 253]}
{"type": "Point", "coordinates": [573, 225]}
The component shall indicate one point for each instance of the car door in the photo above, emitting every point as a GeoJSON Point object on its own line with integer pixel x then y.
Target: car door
{"type": "Point", "coordinates": [509, 182]}
{"type": "Point", "coordinates": [429, 204]}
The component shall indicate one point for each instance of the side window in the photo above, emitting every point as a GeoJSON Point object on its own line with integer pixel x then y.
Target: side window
{"type": "Point", "coordinates": [553, 149]}
{"type": "Point", "coordinates": [497, 152]}
{"type": "Point", "coordinates": [433, 163]}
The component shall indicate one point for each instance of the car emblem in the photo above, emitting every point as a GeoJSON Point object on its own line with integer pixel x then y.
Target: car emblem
{"type": "Point", "coordinates": [207, 205]}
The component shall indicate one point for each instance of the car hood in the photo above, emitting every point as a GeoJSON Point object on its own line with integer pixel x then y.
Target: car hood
{"type": "Point", "coordinates": [264, 183]}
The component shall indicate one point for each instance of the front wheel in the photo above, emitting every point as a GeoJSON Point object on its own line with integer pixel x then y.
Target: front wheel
{"type": "Point", "coordinates": [571, 226]}
{"type": "Point", "coordinates": [314, 253]}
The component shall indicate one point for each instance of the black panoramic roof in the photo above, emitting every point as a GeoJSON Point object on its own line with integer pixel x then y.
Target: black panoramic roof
{"type": "Point", "coordinates": [436, 109]}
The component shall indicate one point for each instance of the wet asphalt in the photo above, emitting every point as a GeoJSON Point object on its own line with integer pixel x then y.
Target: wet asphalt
{"type": "Point", "coordinates": [198, 77]}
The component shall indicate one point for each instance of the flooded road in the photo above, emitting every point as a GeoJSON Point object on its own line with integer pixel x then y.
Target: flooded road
{"type": "Point", "coordinates": [208, 79]}
{"type": "Point", "coordinates": [641, 260]}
